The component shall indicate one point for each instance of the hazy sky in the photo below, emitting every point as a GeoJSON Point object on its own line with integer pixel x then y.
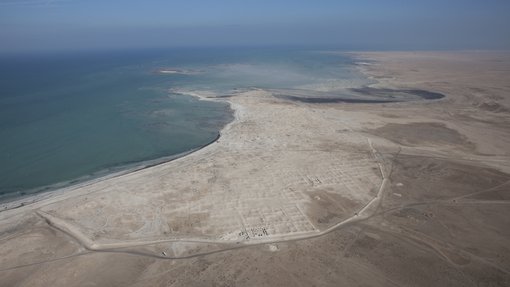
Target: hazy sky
{"type": "Point", "coordinates": [33, 25]}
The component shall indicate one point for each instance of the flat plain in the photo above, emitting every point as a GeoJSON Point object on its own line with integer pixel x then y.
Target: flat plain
{"type": "Point", "coordinates": [296, 193]}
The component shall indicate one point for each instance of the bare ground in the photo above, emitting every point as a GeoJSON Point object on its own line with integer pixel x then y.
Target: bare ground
{"type": "Point", "coordinates": [301, 194]}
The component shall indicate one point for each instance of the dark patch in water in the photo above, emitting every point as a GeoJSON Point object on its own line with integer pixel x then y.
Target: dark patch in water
{"type": "Point", "coordinates": [331, 100]}
{"type": "Point", "coordinates": [427, 95]}
{"type": "Point", "coordinates": [370, 96]}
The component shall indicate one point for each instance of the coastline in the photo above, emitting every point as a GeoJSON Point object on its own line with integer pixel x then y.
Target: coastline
{"type": "Point", "coordinates": [16, 201]}
{"type": "Point", "coordinates": [249, 97]}
{"type": "Point", "coordinates": [48, 192]}
{"type": "Point", "coordinates": [376, 187]}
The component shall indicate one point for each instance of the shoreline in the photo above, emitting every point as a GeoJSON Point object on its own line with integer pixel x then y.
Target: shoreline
{"type": "Point", "coordinates": [17, 199]}
{"type": "Point", "coordinates": [16, 202]}
{"type": "Point", "coordinates": [358, 192]}
{"type": "Point", "coordinates": [47, 192]}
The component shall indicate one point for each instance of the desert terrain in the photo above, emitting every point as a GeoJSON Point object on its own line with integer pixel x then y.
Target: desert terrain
{"type": "Point", "coordinates": [300, 193]}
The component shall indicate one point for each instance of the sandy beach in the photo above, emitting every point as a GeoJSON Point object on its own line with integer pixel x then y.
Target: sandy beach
{"type": "Point", "coordinates": [300, 192]}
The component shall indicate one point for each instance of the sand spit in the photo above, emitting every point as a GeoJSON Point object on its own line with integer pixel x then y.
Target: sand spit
{"type": "Point", "coordinates": [177, 71]}
{"type": "Point", "coordinates": [301, 193]}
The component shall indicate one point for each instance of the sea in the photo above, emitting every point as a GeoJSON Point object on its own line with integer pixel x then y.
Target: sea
{"type": "Point", "coordinates": [70, 117]}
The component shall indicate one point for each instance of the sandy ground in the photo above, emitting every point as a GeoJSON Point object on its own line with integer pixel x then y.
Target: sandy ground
{"type": "Point", "coordinates": [301, 194]}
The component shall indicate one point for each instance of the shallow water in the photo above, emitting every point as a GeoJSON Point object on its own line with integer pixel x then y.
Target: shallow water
{"type": "Point", "coordinates": [69, 116]}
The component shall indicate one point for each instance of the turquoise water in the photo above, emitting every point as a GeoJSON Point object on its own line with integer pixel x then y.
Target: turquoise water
{"type": "Point", "coordinates": [68, 117]}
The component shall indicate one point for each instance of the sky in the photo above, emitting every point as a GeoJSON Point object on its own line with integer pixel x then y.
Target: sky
{"type": "Point", "coordinates": [47, 25]}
